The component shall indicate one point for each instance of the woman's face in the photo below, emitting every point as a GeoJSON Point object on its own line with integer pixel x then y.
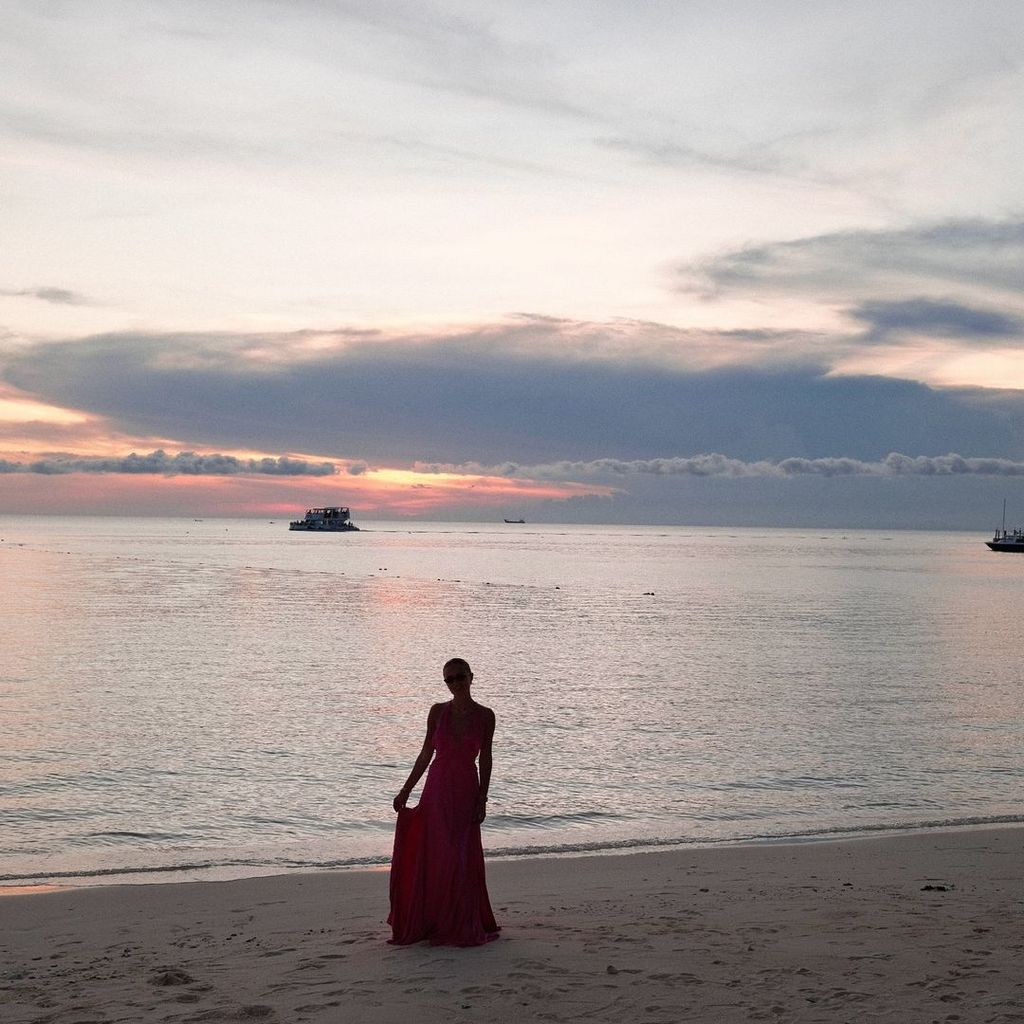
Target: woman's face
{"type": "Point", "coordinates": [457, 679]}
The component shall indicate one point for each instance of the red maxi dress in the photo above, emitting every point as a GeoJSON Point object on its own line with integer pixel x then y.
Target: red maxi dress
{"type": "Point", "coordinates": [438, 889]}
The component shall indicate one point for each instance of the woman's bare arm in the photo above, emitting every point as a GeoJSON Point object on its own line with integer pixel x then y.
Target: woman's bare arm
{"type": "Point", "coordinates": [486, 763]}
{"type": "Point", "coordinates": [422, 761]}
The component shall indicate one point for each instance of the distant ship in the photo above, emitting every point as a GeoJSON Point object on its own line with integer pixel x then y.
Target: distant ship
{"type": "Point", "coordinates": [1007, 540]}
{"type": "Point", "coordinates": [515, 520]}
{"type": "Point", "coordinates": [330, 519]}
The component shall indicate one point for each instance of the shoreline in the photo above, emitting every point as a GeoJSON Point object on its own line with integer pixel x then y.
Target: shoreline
{"type": "Point", "coordinates": [915, 926]}
{"type": "Point", "coordinates": [158, 875]}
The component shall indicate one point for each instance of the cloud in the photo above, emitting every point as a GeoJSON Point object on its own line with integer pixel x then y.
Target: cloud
{"type": "Point", "coordinates": [757, 159]}
{"type": "Point", "coordinates": [531, 390]}
{"type": "Point", "coordinates": [325, 59]}
{"type": "Point", "coordinates": [713, 464]}
{"type": "Point", "coordinates": [182, 464]}
{"type": "Point", "coordinates": [936, 318]}
{"type": "Point", "coordinates": [45, 293]}
{"type": "Point", "coordinates": [460, 52]}
{"type": "Point", "coordinates": [977, 255]}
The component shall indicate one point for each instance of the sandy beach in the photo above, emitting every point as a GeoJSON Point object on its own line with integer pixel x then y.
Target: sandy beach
{"type": "Point", "coordinates": [912, 927]}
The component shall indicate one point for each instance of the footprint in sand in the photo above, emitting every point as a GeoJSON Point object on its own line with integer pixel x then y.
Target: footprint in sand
{"type": "Point", "coordinates": [171, 976]}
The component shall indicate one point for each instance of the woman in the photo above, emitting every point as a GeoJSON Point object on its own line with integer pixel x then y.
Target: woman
{"type": "Point", "coordinates": [438, 889]}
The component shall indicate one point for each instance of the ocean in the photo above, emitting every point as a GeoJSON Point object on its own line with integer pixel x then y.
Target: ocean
{"type": "Point", "coordinates": [216, 698]}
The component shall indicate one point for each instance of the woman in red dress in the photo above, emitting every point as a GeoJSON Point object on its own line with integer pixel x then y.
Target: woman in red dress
{"type": "Point", "coordinates": [438, 888]}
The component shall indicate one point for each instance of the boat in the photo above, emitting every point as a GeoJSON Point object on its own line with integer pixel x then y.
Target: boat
{"type": "Point", "coordinates": [515, 520]}
{"type": "Point", "coordinates": [1007, 540]}
{"type": "Point", "coordinates": [329, 519]}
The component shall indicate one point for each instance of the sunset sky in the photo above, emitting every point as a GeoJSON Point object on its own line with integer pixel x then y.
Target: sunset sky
{"type": "Point", "coordinates": [746, 262]}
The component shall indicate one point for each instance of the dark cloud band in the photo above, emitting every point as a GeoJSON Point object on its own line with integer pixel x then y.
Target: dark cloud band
{"type": "Point", "coordinates": [714, 464]}
{"type": "Point", "coordinates": [182, 464]}
{"type": "Point", "coordinates": [528, 389]}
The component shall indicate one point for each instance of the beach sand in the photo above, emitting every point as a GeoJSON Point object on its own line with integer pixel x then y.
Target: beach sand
{"type": "Point", "coordinates": [910, 927]}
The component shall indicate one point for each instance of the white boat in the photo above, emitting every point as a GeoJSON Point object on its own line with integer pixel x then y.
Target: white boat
{"type": "Point", "coordinates": [1007, 540]}
{"type": "Point", "coordinates": [329, 519]}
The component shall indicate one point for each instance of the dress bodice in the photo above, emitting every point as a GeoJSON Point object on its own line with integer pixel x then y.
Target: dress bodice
{"type": "Point", "coordinates": [464, 745]}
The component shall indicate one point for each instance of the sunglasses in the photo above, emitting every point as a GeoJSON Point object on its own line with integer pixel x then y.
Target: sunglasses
{"type": "Point", "coordinates": [456, 677]}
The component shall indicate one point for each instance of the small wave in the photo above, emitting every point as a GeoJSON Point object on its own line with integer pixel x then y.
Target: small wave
{"type": "Point", "coordinates": [250, 866]}
{"type": "Point", "coordinates": [808, 835]}
{"type": "Point", "coordinates": [117, 837]}
{"type": "Point", "coordinates": [243, 865]}
{"type": "Point", "coordinates": [549, 821]}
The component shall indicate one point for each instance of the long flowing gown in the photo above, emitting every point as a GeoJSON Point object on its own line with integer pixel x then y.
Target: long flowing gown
{"type": "Point", "coordinates": [438, 888]}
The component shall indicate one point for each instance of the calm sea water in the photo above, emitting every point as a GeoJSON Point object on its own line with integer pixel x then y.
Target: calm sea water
{"type": "Point", "coordinates": [223, 697]}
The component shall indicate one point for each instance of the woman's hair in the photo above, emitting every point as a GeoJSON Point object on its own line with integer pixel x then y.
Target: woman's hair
{"type": "Point", "coordinates": [458, 663]}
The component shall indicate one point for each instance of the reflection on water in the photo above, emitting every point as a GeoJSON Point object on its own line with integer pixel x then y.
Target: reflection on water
{"type": "Point", "coordinates": [230, 693]}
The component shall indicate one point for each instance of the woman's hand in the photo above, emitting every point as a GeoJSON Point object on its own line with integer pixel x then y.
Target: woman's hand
{"type": "Point", "coordinates": [399, 802]}
{"type": "Point", "coordinates": [481, 809]}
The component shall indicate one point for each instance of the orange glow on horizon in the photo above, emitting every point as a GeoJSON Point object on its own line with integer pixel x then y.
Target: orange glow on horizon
{"type": "Point", "coordinates": [32, 430]}
{"type": "Point", "coordinates": [380, 493]}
